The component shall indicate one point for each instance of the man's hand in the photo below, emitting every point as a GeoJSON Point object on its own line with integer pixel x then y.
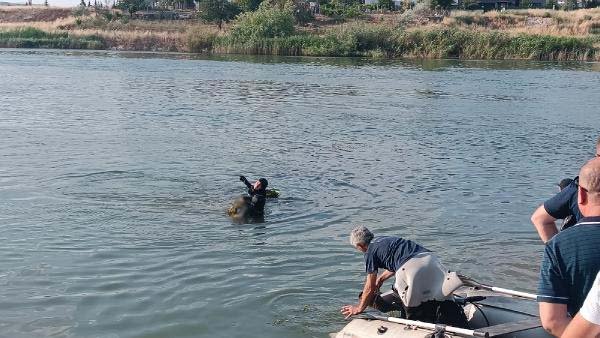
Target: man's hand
{"type": "Point", "coordinates": [349, 310]}
{"type": "Point", "coordinates": [243, 178]}
{"type": "Point", "coordinates": [385, 275]}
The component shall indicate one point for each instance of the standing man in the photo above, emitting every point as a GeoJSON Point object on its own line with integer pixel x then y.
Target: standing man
{"type": "Point", "coordinates": [419, 278]}
{"type": "Point", "coordinates": [561, 206]}
{"type": "Point", "coordinates": [572, 257]}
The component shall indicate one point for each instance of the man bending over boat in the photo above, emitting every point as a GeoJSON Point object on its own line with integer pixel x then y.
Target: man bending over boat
{"type": "Point", "coordinates": [572, 257]}
{"type": "Point", "coordinates": [419, 278]}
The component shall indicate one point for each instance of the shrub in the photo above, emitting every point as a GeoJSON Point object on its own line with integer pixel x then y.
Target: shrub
{"type": "Point", "coordinates": [218, 11]}
{"type": "Point", "coordinates": [386, 4]}
{"type": "Point", "coordinates": [302, 13]}
{"type": "Point", "coordinates": [340, 10]}
{"type": "Point", "coordinates": [469, 20]}
{"type": "Point", "coordinates": [30, 33]}
{"type": "Point", "coordinates": [80, 11]}
{"type": "Point", "coordinates": [266, 22]}
{"type": "Point", "coordinates": [248, 5]}
{"type": "Point", "coordinates": [594, 28]}
{"type": "Point", "coordinates": [201, 40]}
{"type": "Point", "coordinates": [29, 37]}
{"type": "Point", "coordinates": [93, 22]}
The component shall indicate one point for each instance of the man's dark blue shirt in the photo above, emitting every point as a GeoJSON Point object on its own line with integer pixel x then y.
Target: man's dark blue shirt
{"type": "Point", "coordinates": [390, 253]}
{"type": "Point", "coordinates": [564, 203]}
{"type": "Point", "coordinates": [570, 264]}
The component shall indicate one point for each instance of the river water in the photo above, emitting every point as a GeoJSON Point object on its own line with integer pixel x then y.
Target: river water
{"type": "Point", "coordinates": [116, 170]}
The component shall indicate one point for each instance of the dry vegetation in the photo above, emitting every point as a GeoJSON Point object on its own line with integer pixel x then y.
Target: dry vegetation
{"type": "Point", "coordinates": [32, 14]}
{"type": "Point", "coordinates": [117, 34]}
{"type": "Point", "coordinates": [581, 22]}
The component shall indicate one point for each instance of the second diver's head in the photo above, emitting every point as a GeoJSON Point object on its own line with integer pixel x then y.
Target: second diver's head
{"type": "Point", "coordinates": [564, 183]}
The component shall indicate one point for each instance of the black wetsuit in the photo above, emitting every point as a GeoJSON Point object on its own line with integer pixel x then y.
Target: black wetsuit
{"type": "Point", "coordinates": [255, 201]}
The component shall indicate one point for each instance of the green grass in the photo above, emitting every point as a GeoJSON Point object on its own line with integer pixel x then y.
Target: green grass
{"type": "Point", "coordinates": [30, 37]}
{"type": "Point", "coordinates": [381, 41]}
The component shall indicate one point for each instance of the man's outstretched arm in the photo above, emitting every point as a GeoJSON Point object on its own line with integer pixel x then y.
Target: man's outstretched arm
{"type": "Point", "coordinates": [245, 181]}
{"type": "Point", "coordinates": [367, 297]}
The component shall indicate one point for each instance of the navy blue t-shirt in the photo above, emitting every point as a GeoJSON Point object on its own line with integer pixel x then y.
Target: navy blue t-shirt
{"type": "Point", "coordinates": [564, 203]}
{"type": "Point", "coordinates": [570, 264]}
{"type": "Point", "coordinates": [390, 253]}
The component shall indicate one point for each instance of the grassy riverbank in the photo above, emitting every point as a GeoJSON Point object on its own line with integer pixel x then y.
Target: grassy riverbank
{"type": "Point", "coordinates": [524, 34]}
{"type": "Point", "coordinates": [434, 42]}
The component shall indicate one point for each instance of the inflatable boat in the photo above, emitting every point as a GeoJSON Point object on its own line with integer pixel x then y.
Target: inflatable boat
{"type": "Point", "coordinates": [489, 314]}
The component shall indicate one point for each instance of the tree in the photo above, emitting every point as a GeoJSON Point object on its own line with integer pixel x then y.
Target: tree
{"type": "Point", "coordinates": [302, 12]}
{"type": "Point", "coordinates": [248, 5]}
{"type": "Point", "coordinates": [386, 4]}
{"type": "Point", "coordinates": [525, 4]}
{"type": "Point", "coordinates": [131, 6]}
{"type": "Point", "coordinates": [82, 3]}
{"type": "Point", "coordinates": [218, 11]}
{"type": "Point", "coordinates": [444, 4]}
{"type": "Point", "coordinates": [266, 22]}
{"type": "Point", "coordinates": [46, 3]}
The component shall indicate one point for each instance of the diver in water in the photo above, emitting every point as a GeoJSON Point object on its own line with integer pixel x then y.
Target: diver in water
{"type": "Point", "coordinates": [257, 195]}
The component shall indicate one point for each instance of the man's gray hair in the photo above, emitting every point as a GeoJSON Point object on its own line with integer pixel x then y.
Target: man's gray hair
{"type": "Point", "coordinates": [360, 235]}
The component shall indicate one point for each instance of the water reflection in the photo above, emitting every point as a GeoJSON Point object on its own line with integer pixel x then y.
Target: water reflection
{"type": "Point", "coordinates": [344, 62]}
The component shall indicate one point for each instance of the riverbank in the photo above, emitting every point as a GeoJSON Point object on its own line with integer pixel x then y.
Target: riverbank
{"type": "Point", "coordinates": [520, 34]}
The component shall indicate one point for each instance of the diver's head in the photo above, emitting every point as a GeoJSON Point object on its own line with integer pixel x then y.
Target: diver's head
{"type": "Point", "coordinates": [564, 183]}
{"type": "Point", "coordinates": [261, 184]}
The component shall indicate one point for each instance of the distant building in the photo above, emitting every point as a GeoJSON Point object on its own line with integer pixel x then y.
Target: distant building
{"type": "Point", "coordinates": [185, 4]}
{"type": "Point", "coordinates": [506, 4]}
